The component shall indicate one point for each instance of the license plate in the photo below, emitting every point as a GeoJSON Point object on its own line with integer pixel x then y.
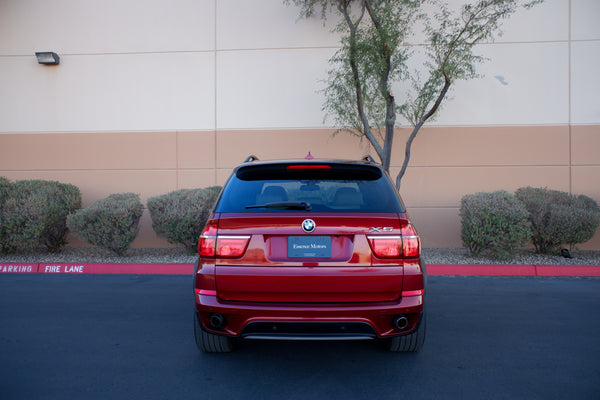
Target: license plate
{"type": "Point", "coordinates": [309, 247]}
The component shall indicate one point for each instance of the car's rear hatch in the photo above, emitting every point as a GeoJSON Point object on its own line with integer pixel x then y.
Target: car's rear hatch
{"type": "Point", "coordinates": [333, 263]}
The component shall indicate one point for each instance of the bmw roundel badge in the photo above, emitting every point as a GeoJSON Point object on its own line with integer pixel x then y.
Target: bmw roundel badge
{"type": "Point", "coordinates": [308, 225]}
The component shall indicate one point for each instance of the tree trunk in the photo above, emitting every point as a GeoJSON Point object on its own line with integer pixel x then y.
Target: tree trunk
{"type": "Point", "coordinates": [390, 124]}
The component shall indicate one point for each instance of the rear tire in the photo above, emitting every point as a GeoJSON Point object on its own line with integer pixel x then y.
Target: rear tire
{"type": "Point", "coordinates": [409, 343]}
{"type": "Point", "coordinates": [209, 342]}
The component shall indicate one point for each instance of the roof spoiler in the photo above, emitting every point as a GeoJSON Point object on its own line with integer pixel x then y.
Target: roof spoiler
{"type": "Point", "coordinates": [367, 158]}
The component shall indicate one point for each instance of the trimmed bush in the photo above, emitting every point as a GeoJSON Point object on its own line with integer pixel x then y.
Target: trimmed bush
{"type": "Point", "coordinates": [494, 223]}
{"type": "Point", "coordinates": [34, 212]}
{"type": "Point", "coordinates": [559, 218]}
{"type": "Point", "coordinates": [22, 221]}
{"type": "Point", "coordinates": [180, 216]}
{"type": "Point", "coordinates": [111, 223]}
{"type": "Point", "coordinates": [5, 188]}
{"type": "Point", "coordinates": [59, 200]}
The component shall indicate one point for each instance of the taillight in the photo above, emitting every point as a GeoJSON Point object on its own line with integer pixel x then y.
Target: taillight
{"type": "Point", "coordinates": [386, 246]}
{"type": "Point", "coordinates": [213, 245]}
{"type": "Point", "coordinates": [208, 240]}
{"type": "Point", "coordinates": [232, 246]}
{"type": "Point", "coordinates": [405, 246]}
{"type": "Point", "coordinates": [411, 243]}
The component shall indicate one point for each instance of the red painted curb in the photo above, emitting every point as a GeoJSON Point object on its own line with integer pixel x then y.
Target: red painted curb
{"type": "Point", "coordinates": [574, 270]}
{"type": "Point", "coordinates": [481, 270]}
{"type": "Point", "coordinates": [513, 270]}
{"type": "Point", "coordinates": [16, 268]}
{"type": "Point", "coordinates": [187, 269]}
{"type": "Point", "coordinates": [135, 269]}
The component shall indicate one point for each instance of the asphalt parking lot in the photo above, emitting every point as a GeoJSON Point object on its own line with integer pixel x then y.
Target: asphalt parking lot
{"type": "Point", "coordinates": [130, 336]}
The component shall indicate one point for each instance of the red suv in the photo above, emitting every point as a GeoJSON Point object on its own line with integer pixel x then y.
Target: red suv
{"type": "Point", "coordinates": [309, 250]}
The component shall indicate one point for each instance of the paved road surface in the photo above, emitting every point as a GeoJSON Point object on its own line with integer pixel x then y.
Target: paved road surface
{"type": "Point", "coordinates": [130, 337]}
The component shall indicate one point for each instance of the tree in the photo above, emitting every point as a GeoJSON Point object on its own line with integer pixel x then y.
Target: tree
{"type": "Point", "coordinates": [374, 55]}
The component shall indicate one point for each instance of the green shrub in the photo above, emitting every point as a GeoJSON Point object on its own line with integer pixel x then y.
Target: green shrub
{"type": "Point", "coordinates": [180, 216]}
{"type": "Point", "coordinates": [111, 223]}
{"type": "Point", "coordinates": [22, 222]}
{"type": "Point", "coordinates": [495, 223]}
{"type": "Point", "coordinates": [5, 189]}
{"type": "Point", "coordinates": [59, 200]}
{"type": "Point", "coordinates": [559, 218]}
{"type": "Point", "coordinates": [34, 212]}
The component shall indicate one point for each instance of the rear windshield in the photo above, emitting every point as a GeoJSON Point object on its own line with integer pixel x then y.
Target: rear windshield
{"type": "Point", "coordinates": [322, 188]}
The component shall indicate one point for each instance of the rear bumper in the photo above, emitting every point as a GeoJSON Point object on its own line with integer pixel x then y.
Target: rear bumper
{"type": "Point", "coordinates": [309, 321]}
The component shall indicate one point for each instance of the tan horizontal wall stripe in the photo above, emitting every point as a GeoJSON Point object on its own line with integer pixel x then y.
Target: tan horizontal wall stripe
{"type": "Point", "coordinates": [447, 163]}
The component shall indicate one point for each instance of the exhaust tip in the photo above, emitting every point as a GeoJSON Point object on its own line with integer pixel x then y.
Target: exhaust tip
{"type": "Point", "coordinates": [217, 321]}
{"type": "Point", "coordinates": [400, 322]}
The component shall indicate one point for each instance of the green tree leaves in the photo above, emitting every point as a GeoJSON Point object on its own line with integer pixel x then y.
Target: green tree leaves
{"type": "Point", "coordinates": [374, 56]}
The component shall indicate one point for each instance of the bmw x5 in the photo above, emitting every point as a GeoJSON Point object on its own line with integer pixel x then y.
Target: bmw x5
{"type": "Point", "coordinates": [309, 250]}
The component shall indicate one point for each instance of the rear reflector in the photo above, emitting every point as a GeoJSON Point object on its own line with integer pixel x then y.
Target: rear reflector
{"type": "Point", "coordinates": [204, 292]}
{"type": "Point", "coordinates": [410, 293]}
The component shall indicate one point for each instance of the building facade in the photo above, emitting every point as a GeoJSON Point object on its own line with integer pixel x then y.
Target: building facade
{"type": "Point", "coordinates": [152, 96]}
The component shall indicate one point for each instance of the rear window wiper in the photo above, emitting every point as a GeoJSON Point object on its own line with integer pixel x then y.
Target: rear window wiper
{"type": "Point", "coordinates": [290, 205]}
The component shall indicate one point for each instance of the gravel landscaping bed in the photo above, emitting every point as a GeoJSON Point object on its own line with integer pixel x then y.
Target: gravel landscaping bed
{"type": "Point", "coordinates": [172, 255]}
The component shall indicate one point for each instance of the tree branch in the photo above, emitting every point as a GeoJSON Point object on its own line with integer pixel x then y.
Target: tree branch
{"type": "Point", "coordinates": [353, 27]}
{"type": "Point", "coordinates": [418, 126]}
{"type": "Point", "coordinates": [390, 117]}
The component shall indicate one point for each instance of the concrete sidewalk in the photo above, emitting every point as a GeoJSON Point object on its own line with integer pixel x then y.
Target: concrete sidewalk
{"type": "Point", "coordinates": [187, 269]}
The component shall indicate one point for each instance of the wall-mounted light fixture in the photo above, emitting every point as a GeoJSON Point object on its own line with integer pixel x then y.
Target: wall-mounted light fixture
{"type": "Point", "coordinates": [47, 58]}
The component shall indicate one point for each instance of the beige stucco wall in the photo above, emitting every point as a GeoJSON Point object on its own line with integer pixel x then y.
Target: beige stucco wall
{"type": "Point", "coordinates": [156, 95]}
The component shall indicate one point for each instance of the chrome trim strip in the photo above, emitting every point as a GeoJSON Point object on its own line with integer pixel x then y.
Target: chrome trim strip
{"type": "Point", "coordinates": [226, 237]}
